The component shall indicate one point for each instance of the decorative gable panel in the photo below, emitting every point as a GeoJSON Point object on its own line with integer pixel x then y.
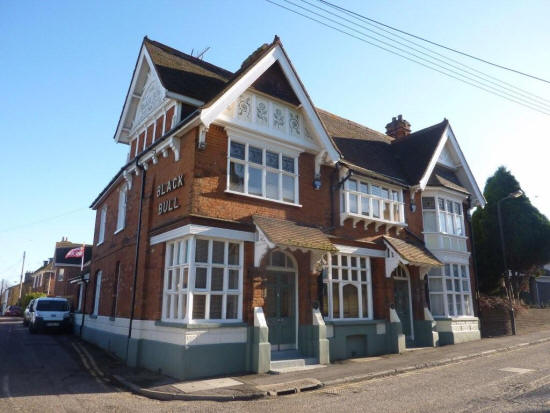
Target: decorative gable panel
{"type": "Point", "coordinates": [151, 98]}
{"type": "Point", "coordinates": [269, 117]}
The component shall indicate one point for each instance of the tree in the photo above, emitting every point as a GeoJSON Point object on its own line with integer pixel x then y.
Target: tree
{"type": "Point", "coordinates": [526, 235]}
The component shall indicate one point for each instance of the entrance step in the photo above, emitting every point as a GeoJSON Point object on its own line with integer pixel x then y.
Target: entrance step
{"type": "Point", "coordinates": [290, 361]}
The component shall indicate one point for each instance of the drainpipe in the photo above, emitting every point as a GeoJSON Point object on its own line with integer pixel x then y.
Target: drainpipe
{"type": "Point", "coordinates": [335, 186]}
{"type": "Point", "coordinates": [474, 254]}
{"type": "Point", "coordinates": [138, 236]}
{"type": "Point", "coordinates": [83, 308]}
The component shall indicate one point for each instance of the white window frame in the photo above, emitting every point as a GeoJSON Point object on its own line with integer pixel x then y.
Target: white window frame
{"type": "Point", "coordinates": [122, 202]}
{"type": "Point", "coordinates": [97, 292]}
{"type": "Point", "coordinates": [102, 223]}
{"type": "Point", "coordinates": [264, 168]}
{"type": "Point", "coordinates": [445, 213]}
{"type": "Point", "coordinates": [348, 193]}
{"type": "Point", "coordinates": [60, 274]}
{"type": "Point", "coordinates": [447, 275]}
{"type": "Point", "coordinates": [340, 283]}
{"type": "Point", "coordinates": [187, 261]}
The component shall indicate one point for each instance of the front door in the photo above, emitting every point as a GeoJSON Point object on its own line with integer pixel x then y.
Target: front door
{"type": "Point", "coordinates": [280, 309]}
{"type": "Point", "coordinates": [403, 305]}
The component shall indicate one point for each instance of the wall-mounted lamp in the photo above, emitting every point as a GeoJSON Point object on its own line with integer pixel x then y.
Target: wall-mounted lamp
{"type": "Point", "coordinates": [317, 182]}
{"type": "Point", "coordinates": [412, 206]}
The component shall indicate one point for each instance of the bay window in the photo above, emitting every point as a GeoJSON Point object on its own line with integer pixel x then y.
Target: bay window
{"type": "Point", "coordinates": [450, 294]}
{"type": "Point", "coordinates": [443, 223]}
{"type": "Point", "coordinates": [348, 289]}
{"type": "Point", "coordinates": [262, 172]}
{"type": "Point", "coordinates": [203, 280]}
{"type": "Point", "coordinates": [364, 199]}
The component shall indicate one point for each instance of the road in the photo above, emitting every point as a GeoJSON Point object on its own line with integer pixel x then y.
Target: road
{"type": "Point", "coordinates": [47, 373]}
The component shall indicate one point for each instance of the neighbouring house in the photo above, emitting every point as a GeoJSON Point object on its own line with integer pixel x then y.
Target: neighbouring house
{"type": "Point", "coordinates": [540, 287]}
{"type": "Point", "coordinates": [66, 268]}
{"type": "Point", "coordinates": [248, 226]}
{"type": "Point", "coordinates": [43, 279]}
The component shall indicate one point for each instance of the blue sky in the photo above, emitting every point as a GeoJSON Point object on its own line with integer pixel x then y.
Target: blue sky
{"type": "Point", "coordinates": [65, 68]}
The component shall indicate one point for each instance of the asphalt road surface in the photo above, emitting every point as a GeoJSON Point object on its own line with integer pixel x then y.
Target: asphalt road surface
{"type": "Point", "coordinates": [48, 373]}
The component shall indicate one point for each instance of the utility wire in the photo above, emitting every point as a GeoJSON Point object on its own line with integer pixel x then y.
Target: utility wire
{"type": "Point", "coordinates": [510, 86]}
{"type": "Point", "coordinates": [519, 72]}
{"type": "Point", "coordinates": [411, 59]}
{"type": "Point", "coordinates": [444, 64]}
{"type": "Point", "coordinates": [42, 220]}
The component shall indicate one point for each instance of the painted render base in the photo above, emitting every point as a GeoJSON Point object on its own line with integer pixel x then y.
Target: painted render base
{"type": "Point", "coordinates": [205, 351]}
{"type": "Point", "coordinates": [182, 361]}
{"type": "Point", "coordinates": [457, 330]}
{"type": "Point", "coordinates": [362, 338]}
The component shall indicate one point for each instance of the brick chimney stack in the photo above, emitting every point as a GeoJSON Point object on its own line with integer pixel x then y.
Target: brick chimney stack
{"type": "Point", "coordinates": [398, 127]}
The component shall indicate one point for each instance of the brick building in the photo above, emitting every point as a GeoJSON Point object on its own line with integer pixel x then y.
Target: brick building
{"type": "Point", "coordinates": [65, 269]}
{"type": "Point", "coordinates": [43, 279]}
{"type": "Point", "coordinates": [248, 226]}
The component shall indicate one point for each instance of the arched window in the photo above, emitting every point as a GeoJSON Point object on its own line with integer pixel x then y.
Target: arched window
{"type": "Point", "coordinates": [348, 289]}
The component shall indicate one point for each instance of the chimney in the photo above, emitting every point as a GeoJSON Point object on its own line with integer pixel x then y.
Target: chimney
{"type": "Point", "coordinates": [398, 128]}
{"type": "Point", "coordinates": [45, 262]}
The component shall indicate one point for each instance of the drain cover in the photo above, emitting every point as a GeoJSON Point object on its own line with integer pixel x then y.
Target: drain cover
{"type": "Point", "coordinates": [289, 387]}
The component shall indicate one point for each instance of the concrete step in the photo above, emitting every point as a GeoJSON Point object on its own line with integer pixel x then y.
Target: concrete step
{"type": "Point", "coordinates": [275, 370]}
{"type": "Point", "coordinates": [290, 360]}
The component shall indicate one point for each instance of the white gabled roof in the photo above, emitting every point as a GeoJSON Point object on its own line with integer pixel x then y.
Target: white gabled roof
{"type": "Point", "coordinates": [275, 53]}
{"type": "Point", "coordinates": [448, 145]}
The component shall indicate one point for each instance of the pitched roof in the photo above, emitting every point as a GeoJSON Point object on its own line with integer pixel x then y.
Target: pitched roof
{"type": "Point", "coordinates": [184, 74]}
{"type": "Point", "coordinates": [290, 234]}
{"type": "Point", "coordinates": [62, 248]}
{"type": "Point", "coordinates": [446, 178]}
{"type": "Point", "coordinates": [415, 151]}
{"type": "Point", "coordinates": [413, 251]}
{"type": "Point", "coordinates": [404, 160]}
{"type": "Point", "coordinates": [339, 127]}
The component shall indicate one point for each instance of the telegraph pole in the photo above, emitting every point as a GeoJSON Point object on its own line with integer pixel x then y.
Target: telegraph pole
{"type": "Point", "coordinates": [21, 277]}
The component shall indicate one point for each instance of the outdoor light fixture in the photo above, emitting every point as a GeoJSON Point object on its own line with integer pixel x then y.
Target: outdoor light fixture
{"type": "Point", "coordinates": [317, 183]}
{"type": "Point", "coordinates": [412, 206]}
{"type": "Point", "coordinates": [516, 194]}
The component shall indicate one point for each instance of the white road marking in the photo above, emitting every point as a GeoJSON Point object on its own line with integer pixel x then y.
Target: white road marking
{"type": "Point", "coordinates": [516, 370]}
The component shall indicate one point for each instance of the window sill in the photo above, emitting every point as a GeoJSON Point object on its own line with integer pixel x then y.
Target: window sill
{"type": "Point", "coordinates": [456, 318]}
{"type": "Point", "coordinates": [99, 243]}
{"type": "Point", "coordinates": [445, 234]}
{"type": "Point", "coordinates": [352, 321]}
{"type": "Point", "coordinates": [204, 325]}
{"type": "Point", "coordinates": [261, 198]}
{"type": "Point", "coordinates": [117, 231]}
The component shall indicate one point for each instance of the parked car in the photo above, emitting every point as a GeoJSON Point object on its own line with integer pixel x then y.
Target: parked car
{"type": "Point", "coordinates": [13, 311]}
{"type": "Point", "coordinates": [27, 313]}
{"type": "Point", "coordinates": [50, 313]}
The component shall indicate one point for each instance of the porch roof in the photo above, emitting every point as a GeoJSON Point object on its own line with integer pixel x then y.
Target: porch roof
{"type": "Point", "coordinates": [413, 251]}
{"type": "Point", "coordinates": [292, 235]}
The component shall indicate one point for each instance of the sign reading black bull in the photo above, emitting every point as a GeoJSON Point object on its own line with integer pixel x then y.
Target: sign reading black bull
{"type": "Point", "coordinates": [165, 188]}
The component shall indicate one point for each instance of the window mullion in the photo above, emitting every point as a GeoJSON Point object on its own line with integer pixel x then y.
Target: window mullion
{"type": "Point", "coordinates": [191, 280]}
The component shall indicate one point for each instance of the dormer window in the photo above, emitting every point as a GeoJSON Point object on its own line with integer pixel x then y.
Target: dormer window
{"type": "Point", "coordinates": [262, 172]}
{"type": "Point", "coordinates": [369, 201]}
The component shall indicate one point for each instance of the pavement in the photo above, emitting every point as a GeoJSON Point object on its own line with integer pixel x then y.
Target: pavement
{"type": "Point", "coordinates": [255, 386]}
{"type": "Point", "coordinates": [53, 372]}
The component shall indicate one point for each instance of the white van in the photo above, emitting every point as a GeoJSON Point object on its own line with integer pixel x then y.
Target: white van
{"type": "Point", "coordinates": [50, 312]}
